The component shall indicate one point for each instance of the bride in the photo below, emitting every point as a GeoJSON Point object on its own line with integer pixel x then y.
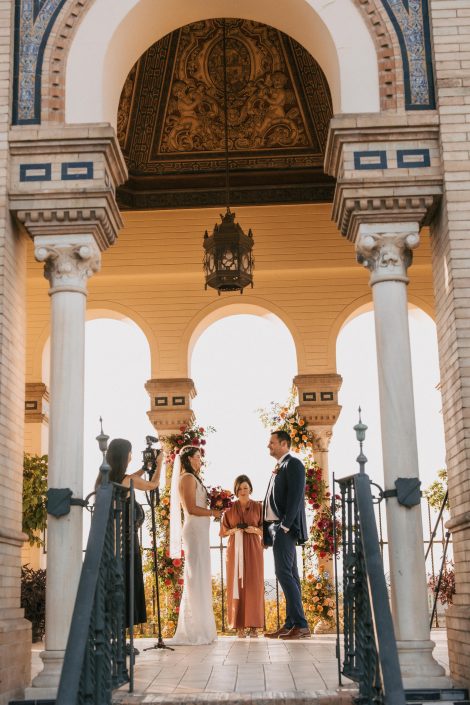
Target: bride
{"type": "Point", "coordinates": [196, 623]}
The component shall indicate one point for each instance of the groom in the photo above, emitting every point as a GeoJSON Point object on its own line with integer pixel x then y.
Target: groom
{"type": "Point", "coordinates": [285, 526]}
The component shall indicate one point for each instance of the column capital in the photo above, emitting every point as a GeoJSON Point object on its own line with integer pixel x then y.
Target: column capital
{"type": "Point", "coordinates": [387, 169]}
{"type": "Point", "coordinates": [170, 403]}
{"type": "Point", "coordinates": [387, 250]}
{"type": "Point", "coordinates": [318, 404]}
{"type": "Point", "coordinates": [36, 405]}
{"type": "Point", "coordinates": [69, 261]}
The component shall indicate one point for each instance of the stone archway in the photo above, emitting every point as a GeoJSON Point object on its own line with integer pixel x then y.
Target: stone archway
{"type": "Point", "coordinates": [394, 189]}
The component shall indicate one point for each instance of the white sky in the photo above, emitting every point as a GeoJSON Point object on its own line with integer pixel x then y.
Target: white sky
{"type": "Point", "coordinates": [242, 363]}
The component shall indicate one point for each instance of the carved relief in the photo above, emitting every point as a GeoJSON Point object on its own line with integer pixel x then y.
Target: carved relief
{"type": "Point", "coordinates": [262, 105]}
{"type": "Point", "coordinates": [387, 255]}
{"type": "Point", "coordinates": [68, 261]}
{"type": "Point", "coordinates": [171, 118]}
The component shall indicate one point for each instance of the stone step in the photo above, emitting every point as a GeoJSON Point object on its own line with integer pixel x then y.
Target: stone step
{"type": "Point", "coordinates": [451, 696]}
{"type": "Point", "coordinates": [343, 696]}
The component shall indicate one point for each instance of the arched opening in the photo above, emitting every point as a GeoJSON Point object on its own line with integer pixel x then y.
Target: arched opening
{"type": "Point", "coordinates": [117, 365]}
{"type": "Point", "coordinates": [240, 364]}
{"type": "Point", "coordinates": [108, 43]}
{"type": "Point", "coordinates": [357, 364]}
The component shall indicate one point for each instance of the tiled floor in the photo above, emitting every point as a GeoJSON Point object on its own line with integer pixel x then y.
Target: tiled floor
{"type": "Point", "coordinates": [241, 667]}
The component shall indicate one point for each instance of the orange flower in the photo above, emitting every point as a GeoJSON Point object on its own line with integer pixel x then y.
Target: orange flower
{"type": "Point", "coordinates": [301, 422]}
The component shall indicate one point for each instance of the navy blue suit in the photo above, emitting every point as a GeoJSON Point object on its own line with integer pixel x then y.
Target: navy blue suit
{"type": "Point", "coordinates": [287, 501]}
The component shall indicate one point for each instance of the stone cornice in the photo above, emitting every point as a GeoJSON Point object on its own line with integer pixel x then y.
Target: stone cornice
{"type": "Point", "coordinates": [383, 203]}
{"type": "Point", "coordinates": [387, 166]}
{"type": "Point", "coordinates": [383, 127]}
{"type": "Point", "coordinates": [63, 180]}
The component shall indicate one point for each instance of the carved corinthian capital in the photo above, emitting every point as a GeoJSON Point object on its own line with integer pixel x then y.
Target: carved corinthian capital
{"type": "Point", "coordinates": [387, 252]}
{"type": "Point", "coordinates": [69, 261]}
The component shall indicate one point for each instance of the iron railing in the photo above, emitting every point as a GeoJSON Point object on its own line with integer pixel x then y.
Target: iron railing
{"type": "Point", "coordinates": [95, 657]}
{"type": "Point", "coordinates": [370, 653]}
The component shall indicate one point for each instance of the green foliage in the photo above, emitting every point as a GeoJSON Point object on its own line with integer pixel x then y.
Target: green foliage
{"type": "Point", "coordinates": [34, 497]}
{"type": "Point", "coordinates": [446, 591]}
{"type": "Point", "coordinates": [33, 599]}
{"type": "Point", "coordinates": [436, 491]}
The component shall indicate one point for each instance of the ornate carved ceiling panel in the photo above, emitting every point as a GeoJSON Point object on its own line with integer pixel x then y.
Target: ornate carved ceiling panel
{"type": "Point", "coordinates": [171, 119]}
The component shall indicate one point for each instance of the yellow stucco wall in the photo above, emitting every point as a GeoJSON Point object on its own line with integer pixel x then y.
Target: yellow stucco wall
{"type": "Point", "coordinates": [305, 273]}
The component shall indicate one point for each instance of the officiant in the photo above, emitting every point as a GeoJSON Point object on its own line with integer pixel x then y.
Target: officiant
{"type": "Point", "coordinates": [242, 523]}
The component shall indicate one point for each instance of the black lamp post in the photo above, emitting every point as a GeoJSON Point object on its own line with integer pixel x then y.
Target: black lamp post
{"type": "Point", "coordinates": [228, 257]}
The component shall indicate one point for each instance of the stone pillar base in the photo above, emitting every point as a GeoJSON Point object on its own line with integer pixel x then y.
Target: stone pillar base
{"type": "Point", "coordinates": [458, 639]}
{"type": "Point", "coordinates": [46, 683]}
{"type": "Point", "coordinates": [15, 655]}
{"type": "Point", "coordinates": [419, 669]}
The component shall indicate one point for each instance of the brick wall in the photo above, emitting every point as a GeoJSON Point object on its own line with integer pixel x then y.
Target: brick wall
{"type": "Point", "coordinates": [451, 264]}
{"type": "Point", "coordinates": [15, 632]}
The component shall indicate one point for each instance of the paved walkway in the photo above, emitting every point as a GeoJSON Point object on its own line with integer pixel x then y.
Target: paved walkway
{"type": "Point", "coordinates": [243, 669]}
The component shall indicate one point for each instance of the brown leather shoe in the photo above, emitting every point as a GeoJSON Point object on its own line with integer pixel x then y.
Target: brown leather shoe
{"type": "Point", "coordinates": [277, 633]}
{"type": "Point", "coordinates": [296, 633]}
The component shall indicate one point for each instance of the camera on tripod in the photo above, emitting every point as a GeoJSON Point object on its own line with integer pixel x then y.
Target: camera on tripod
{"type": "Point", "coordinates": [150, 455]}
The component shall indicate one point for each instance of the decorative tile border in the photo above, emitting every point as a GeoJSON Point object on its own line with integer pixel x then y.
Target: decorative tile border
{"type": "Point", "coordinates": [406, 159]}
{"type": "Point", "coordinates": [370, 160]}
{"type": "Point", "coordinates": [73, 171]}
{"type": "Point", "coordinates": [69, 171]}
{"type": "Point", "coordinates": [413, 158]}
{"type": "Point", "coordinates": [410, 19]}
{"type": "Point", "coordinates": [35, 172]}
{"type": "Point", "coordinates": [34, 20]}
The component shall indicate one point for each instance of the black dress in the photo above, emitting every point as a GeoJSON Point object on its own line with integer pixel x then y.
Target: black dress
{"type": "Point", "coordinates": [135, 561]}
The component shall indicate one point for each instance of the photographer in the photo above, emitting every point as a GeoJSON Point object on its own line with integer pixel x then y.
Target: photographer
{"type": "Point", "coordinates": [119, 455]}
{"type": "Point", "coordinates": [245, 576]}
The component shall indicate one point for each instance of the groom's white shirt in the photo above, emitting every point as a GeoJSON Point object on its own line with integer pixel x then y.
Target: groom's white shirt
{"type": "Point", "coordinates": [269, 514]}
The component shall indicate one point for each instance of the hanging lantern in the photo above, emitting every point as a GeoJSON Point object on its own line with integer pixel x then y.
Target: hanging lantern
{"type": "Point", "coordinates": [228, 257]}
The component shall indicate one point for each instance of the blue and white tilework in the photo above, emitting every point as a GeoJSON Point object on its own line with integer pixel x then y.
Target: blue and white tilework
{"type": "Point", "coordinates": [34, 20]}
{"type": "Point", "coordinates": [410, 19]}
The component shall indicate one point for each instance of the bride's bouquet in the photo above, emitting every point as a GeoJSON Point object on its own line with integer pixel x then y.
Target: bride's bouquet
{"type": "Point", "coordinates": [220, 499]}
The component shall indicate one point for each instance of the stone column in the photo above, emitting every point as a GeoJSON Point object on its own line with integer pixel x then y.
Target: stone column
{"type": "Point", "coordinates": [318, 405]}
{"type": "Point", "coordinates": [386, 250]}
{"type": "Point", "coordinates": [69, 261]}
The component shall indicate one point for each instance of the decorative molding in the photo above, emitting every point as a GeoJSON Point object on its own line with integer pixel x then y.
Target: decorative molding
{"type": "Point", "coordinates": [69, 261]}
{"type": "Point", "coordinates": [387, 255]}
{"type": "Point", "coordinates": [171, 127]}
{"type": "Point", "coordinates": [388, 169]}
{"type": "Point", "coordinates": [170, 403]}
{"type": "Point", "coordinates": [36, 403]}
{"type": "Point", "coordinates": [404, 159]}
{"type": "Point", "coordinates": [318, 397]}
{"type": "Point", "coordinates": [82, 166]}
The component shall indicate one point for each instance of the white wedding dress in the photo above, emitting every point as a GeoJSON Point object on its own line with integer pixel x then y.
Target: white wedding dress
{"type": "Point", "coordinates": [196, 623]}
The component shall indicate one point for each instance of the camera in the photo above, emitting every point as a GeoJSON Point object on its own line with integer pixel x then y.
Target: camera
{"type": "Point", "coordinates": [150, 455]}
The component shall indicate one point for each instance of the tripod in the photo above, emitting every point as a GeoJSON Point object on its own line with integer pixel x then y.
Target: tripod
{"type": "Point", "coordinates": [153, 498]}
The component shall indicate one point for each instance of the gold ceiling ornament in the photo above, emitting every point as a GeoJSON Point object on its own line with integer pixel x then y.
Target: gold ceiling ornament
{"type": "Point", "coordinates": [228, 257]}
